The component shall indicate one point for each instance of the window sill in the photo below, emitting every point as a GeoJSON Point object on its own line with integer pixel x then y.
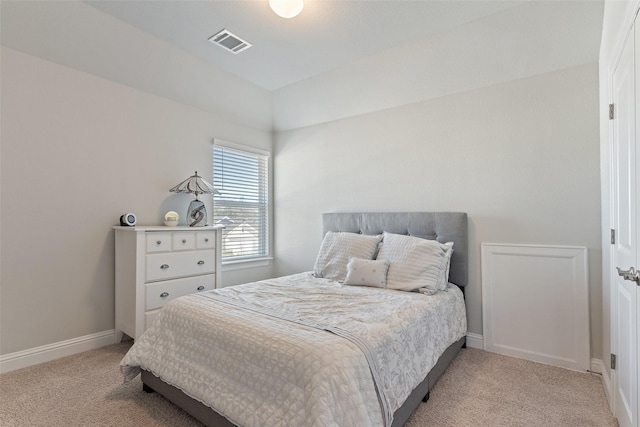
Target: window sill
{"type": "Point", "coordinates": [246, 263]}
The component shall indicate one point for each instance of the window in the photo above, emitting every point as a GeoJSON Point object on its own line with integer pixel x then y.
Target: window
{"type": "Point", "coordinates": [240, 174]}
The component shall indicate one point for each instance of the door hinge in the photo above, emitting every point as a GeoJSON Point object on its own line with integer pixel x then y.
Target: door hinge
{"type": "Point", "coordinates": [611, 109]}
{"type": "Point", "coordinates": [613, 361]}
{"type": "Point", "coordinates": [613, 236]}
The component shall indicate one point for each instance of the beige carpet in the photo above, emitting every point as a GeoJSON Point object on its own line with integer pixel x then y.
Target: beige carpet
{"type": "Point", "coordinates": [479, 388]}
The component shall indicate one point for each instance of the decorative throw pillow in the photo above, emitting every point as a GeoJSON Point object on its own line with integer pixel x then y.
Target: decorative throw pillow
{"type": "Point", "coordinates": [367, 272]}
{"type": "Point", "coordinates": [415, 263]}
{"type": "Point", "coordinates": [338, 247]}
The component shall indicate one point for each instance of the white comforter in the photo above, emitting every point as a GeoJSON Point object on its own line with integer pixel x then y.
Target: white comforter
{"type": "Point", "coordinates": [231, 350]}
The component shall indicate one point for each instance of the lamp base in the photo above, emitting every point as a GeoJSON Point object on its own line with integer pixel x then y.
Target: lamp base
{"type": "Point", "coordinates": [196, 214]}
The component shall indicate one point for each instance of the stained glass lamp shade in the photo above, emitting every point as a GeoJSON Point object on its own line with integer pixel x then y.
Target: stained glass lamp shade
{"type": "Point", "coordinates": [196, 214]}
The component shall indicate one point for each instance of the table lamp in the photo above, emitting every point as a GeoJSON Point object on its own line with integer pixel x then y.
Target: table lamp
{"type": "Point", "coordinates": [196, 214]}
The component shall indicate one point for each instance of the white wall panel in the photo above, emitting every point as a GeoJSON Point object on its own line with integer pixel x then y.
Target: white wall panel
{"type": "Point", "coordinates": [536, 303]}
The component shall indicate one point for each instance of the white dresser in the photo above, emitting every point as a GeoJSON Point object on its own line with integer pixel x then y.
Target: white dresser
{"type": "Point", "coordinates": [157, 264]}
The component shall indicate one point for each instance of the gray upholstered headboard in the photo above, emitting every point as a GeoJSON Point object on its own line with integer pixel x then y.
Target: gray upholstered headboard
{"type": "Point", "coordinates": [441, 226]}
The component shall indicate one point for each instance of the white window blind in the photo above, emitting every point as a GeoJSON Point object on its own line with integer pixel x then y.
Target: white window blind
{"type": "Point", "coordinates": [242, 206]}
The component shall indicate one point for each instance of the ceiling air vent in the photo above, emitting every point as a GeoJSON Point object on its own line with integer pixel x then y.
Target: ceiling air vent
{"type": "Point", "coordinates": [229, 41]}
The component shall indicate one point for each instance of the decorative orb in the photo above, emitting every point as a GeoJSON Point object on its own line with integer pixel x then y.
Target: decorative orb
{"type": "Point", "coordinates": [171, 216]}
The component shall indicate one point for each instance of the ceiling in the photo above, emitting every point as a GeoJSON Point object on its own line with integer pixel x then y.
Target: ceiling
{"type": "Point", "coordinates": [327, 34]}
{"type": "Point", "coordinates": [338, 58]}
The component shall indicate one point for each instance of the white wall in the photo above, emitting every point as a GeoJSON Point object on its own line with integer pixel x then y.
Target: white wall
{"type": "Point", "coordinates": [617, 22]}
{"type": "Point", "coordinates": [71, 32]}
{"type": "Point", "coordinates": [98, 148]}
{"type": "Point", "coordinates": [523, 41]}
{"type": "Point", "coordinates": [521, 158]}
{"type": "Point", "coordinates": [77, 152]}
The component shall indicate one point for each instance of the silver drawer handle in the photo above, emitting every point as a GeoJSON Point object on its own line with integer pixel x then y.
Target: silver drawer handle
{"type": "Point", "coordinates": [200, 288]}
{"type": "Point", "coordinates": [164, 266]}
{"type": "Point", "coordinates": [184, 240]}
{"type": "Point", "coordinates": [206, 240]}
{"type": "Point", "coordinates": [164, 294]}
{"type": "Point", "coordinates": [200, 262]}
{"type": "Point", "coordinates": [159, 242]}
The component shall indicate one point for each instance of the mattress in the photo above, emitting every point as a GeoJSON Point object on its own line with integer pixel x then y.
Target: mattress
{"type": "Point", "coordinates": [299, 350]}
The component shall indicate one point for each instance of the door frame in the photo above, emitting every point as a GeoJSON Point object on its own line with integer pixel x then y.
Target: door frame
{"type": "Point", "coordinates": [609, 272]}
{"type": "Point", "coordinates": [624, 256]}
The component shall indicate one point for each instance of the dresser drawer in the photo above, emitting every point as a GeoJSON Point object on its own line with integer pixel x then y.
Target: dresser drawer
{"type": "Point", "coordinates": [179, 264]}
{"type": "Point", "coordinates": [156, 260]}
{"type": "Point", "coordinates": [206, 239]}
{"type": "Point", "coordinates": [158, 242]}
{"type": "Point", "coordinates": [183, 241]}
{"type": "Point", "coordinates": [160, 293]}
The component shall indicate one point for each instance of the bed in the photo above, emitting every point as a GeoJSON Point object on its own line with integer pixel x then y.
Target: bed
{"type": "Point", "coordinates": [308, 350]}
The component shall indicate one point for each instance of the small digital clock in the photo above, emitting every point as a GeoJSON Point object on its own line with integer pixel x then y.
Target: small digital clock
{"type": "Point", "coordinates": [128, 219]}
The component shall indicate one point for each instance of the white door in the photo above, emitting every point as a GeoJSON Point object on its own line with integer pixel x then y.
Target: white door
{"type": "Point", "coordinates": [625, 253]}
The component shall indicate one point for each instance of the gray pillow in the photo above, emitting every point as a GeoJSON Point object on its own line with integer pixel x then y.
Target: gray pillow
{"type": "Point", "coordinates": [336, 250]}
{"type": "Point", "coordinates": [415, 263]}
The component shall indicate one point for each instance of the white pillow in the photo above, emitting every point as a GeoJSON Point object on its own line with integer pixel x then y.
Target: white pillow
{"type": "Point", "coordinates": [367, 272]}
{"type": "Point", "coordinates": [442, 284]}
{"type": "Point", "coordinates": [415, 263]}
{"type": "Point", "coordinates": [338, 247]}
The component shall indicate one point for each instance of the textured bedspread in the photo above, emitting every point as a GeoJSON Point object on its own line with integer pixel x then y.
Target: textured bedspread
{"type": "Point", "coordinates": [258, 354]}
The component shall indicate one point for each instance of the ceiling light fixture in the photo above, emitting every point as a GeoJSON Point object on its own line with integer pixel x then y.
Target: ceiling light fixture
{"type": "Point", "coordinates": [286, 8]}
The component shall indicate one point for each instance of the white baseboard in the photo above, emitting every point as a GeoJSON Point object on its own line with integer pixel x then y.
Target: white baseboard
{"type": "Point", "coordinates": [475, 340]}
{"type": "Point", "coordinates": [606, 384]}
{"type": "Point", "coordinates": [596, 366]}
{"type": "Point", "coordinates": [33, 356]}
